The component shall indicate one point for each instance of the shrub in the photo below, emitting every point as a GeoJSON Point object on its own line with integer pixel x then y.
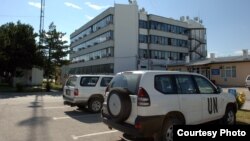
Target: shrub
{"type": "Point", "coordinates": [240, 98]}
{"type": "Point", "coordinates": [48, 86]}
{"type": "Point", "coordinates": [19, 87]}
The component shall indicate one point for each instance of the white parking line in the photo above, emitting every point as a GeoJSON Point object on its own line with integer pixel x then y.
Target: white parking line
{"type": "Point", "coordinates": [67, 117]}
{"type": "Point", "coordinates": [93, 134]}
{"type": "Point", "coordinates": [58, 107]}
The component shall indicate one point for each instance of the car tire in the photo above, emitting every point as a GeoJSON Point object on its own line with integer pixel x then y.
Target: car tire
{"type": "Point", "coordinates": [167, 131]}
{"type": "Point", "coordinates": [119, 104]}
{"type": "Point", "coordinates": [95, 105]}
{"type": "Point", "coordinates": [81, 106]}
{"type": "Point", "coordinates": [230, 117]}
{"type": "Point", "coordinates": [249, 88]}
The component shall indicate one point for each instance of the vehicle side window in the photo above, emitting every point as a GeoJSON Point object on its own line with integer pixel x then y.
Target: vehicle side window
{"type": "Point", "coordinates": [164, 84]}
{"type": "Point", "coordinates": [205, 87]}
{"type": "Point", "coordinates": [71, 81]}
{"type": "Point", "coordinates": [248, 78]}
{"type": "Point", "coordinates": [105, 81]}
{"type": "Point", "coordinates": [185, 84]}
{"type": "Point", "coordinates": [89, 81]}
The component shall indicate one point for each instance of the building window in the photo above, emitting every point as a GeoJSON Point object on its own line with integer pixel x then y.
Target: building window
{"type": "Point", "coordinates": [233, 71]}
{"type": "Point", "coordinates": [100, 24]}
{"type": "Point", "coordinates": [229, 71]}
{"type": "Point", "coordinates": [222, 72]}
{"type": "Point", "coordinates": [143, 38]}
{"type": "Point", "coordinates": [96, 69]}
{"type": "Point", "coordinates": [143, 24]}
{"type": "Point", "coordinates": [143, 53]}
{"type": "Point", "coordinates": [94, 41]}
{"type": "Point", "coordinates": [108, 52]}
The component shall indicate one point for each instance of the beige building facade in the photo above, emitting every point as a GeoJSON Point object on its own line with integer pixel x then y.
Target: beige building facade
{"type": "Point", "coordinates": [225, 71]}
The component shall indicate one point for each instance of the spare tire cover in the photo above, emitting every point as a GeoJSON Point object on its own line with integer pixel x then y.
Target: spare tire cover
{"type": "Point", "coordinates": [119, 104]}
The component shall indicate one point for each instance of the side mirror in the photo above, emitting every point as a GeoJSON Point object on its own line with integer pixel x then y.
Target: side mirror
{"type": "Point", "coordinates": [219, 89]}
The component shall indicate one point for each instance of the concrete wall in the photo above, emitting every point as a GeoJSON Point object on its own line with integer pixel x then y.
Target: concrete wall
{"type": "Point", "coordinates": [37, 76]}
{"type": "Point", "coordinates": [33, 76]}
{"type": "Point", "coordinates": [126, 37]}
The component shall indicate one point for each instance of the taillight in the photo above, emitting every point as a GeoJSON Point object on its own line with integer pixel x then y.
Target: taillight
{"type": "Point", "coordinates": [138, 123]}
{"type": "Point", "coordinates": [76, 92]}
{"type": "Point", "coordinates": [143, 98]}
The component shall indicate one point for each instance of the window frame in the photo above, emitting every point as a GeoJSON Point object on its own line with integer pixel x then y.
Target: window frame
{"type": "Point", "coordinates": [179, 87]}
{"type": "Point", "coordinates": [102, 79]}
{"type": "Point", "coordinates": [70, 79]}
{"type": "Point", "coordinates": [173, 80]}
{"type": "Point", "coordinates": [209, 82]}
{"type": "Point", "coordinates": [89, 77]}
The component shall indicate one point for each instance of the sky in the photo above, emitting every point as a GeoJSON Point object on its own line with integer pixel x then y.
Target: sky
{"type": "Point", "coordinates": [227, 21]}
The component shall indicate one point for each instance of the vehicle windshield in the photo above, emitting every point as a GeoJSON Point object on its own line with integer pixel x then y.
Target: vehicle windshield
{"type": "Point", "coordinates": [128, 81]}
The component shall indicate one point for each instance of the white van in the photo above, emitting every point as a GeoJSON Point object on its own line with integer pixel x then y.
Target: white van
{"type": "Point", "coordinates": [86, 90]}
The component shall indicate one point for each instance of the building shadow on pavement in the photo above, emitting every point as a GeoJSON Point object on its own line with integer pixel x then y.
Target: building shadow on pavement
{"type": "Point", "coordinates": [37, 123]}
{"type": "Point", "coordinates": [84, 116]}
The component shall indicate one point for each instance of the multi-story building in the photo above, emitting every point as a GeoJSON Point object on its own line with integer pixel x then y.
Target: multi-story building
{"type": "Point", "coordinates": [125, 38]}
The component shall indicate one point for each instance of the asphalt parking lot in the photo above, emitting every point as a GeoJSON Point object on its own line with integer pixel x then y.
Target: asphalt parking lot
{"type": "Point", "coordinates": [43, 117]}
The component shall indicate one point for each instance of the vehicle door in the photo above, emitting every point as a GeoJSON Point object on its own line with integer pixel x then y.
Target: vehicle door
{"type": "Point", "coordinates": [69, 87]}
{"type": "Point", "coordinates": [88, 86]}
{"type": "Point", "coordinates": [212, 101]}
{"type": "Point", "coordinates": [190, 100]}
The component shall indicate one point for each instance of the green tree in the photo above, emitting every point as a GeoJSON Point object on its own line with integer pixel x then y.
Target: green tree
{"type": "Point", "coordinates": [18, 49]}
{"type": "Point", "coordinates": [56, 51]}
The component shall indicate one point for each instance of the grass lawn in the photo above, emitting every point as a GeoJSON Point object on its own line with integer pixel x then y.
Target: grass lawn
{"type": "Point", "coordinates": [243, 117]}
{"type": "Point", "coordinates": [56, 86]}
{"type": "Point", "coordinates": [6, 88]}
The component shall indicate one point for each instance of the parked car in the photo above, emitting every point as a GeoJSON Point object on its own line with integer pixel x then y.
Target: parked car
{"type": "Point", "coordinates": [248, 82]}
{"type": "Point", "coordinates": [149, 103]}
{"type": "Point", "coordinates": [86, 90]}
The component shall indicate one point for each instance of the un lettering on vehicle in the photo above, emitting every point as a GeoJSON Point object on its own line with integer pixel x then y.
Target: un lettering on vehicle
{"type": "Point", "coordinates": [212, 105]}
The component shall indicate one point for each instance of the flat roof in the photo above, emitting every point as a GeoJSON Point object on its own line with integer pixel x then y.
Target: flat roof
{"type": "Point", "coordinates": [229, 59]}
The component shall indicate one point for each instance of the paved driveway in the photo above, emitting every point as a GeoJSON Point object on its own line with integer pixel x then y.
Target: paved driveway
{"type": "Point", "coordinates": [43, 117]}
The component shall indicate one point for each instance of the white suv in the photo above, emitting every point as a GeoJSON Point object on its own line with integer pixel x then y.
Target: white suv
{"type": "Point", "coordinates": [149, 103]}
{"type": "Point", "coordinates": [86, 90]}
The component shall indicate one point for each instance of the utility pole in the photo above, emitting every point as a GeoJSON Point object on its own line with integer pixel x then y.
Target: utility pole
{"type": "Point", "coordinates": [41, 21]}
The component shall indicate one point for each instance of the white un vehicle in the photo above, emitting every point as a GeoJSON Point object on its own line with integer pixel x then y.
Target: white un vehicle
{"type": "Point", "coordinates": [86, 90]}
{"type": "Point", "coordinates": [149, 103]}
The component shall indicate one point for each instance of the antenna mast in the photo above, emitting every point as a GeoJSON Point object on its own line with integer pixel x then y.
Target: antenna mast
{"type": "Point", "coordinates": [41, 21]}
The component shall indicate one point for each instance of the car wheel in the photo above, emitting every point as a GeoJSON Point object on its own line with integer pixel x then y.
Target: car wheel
{"type": "Point", "coordinates": [95, 105]}
{"type": "Point", "coordinates": [81, 107]}
{"type": "Point", "coordinates": [167, 132]}
{"type": "Point", "coordinates": [229, 117]}
{"type": "Point", "coordinates": [119, 104]}
{"type": "Point", "coordinates": [249, 88]}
